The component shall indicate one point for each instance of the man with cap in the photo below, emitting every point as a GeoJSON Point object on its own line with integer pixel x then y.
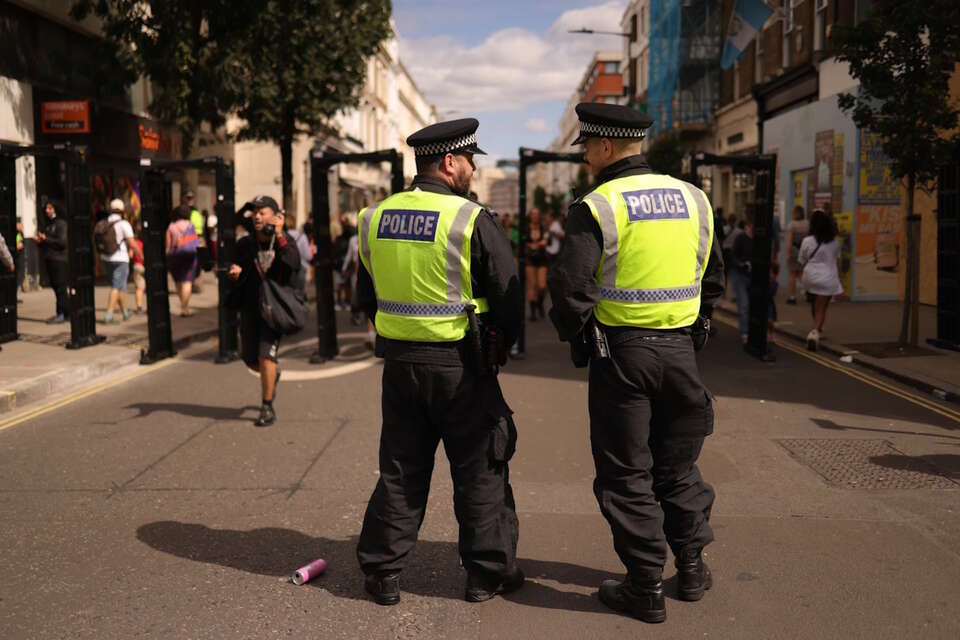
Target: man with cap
{"type": "Point", "coordinates": [637, 259]}
{"type": "Point", "coordinates": [268, 252]}
{"type": "Point", "coordinates": [114, 237]}
{"type": "Point", "coordinates": [438, 277]}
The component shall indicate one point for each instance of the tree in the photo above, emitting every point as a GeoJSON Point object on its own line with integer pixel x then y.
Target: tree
{"type": "Point", "coordinates": [904, 55]}
{"type": "Point", "coordinates": [305, 61]}
{"type": "Point", "coordinates": [284, 67]}
{"type": "Point", "coordinates": [582, 184]}
{"type": "Point", "coordinates": [540, 198]}
{"type": "Point", "coordinates": [665, 154]}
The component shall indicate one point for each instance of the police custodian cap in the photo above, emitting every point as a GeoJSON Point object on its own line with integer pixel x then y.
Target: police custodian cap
{"type": "Point", "coordinates": [454, 136]}
{"type": "Point", "coordinates": [600, 120]}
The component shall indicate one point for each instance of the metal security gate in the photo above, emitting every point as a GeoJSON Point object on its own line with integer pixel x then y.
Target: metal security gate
{"type": "Point", "coordinates": [8, 229]}
{"type": "Point", "coordinates": [80, 277]}
{"type": "Point", "coordinates": [320, 163]}
{"type": "Point", "coordinates": [530, 157]}
{"type": "Point", "coordinates": [948, 256]}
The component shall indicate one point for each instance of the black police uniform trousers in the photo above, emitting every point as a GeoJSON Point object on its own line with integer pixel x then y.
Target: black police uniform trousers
{"type": "Point", "coordinates": [423, 404]}
{"type": "Point", "coordinates": [649, 414]}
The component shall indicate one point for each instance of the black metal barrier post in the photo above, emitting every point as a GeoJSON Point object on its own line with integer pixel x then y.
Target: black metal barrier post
{"type": "Point", "coordinates": [530, 157]}
{"type": "Point", "coordinates": [764, 167]}
{"type": "Point", "coordinates": [157, 203]}
{"type": "Point", "coordinates": [320, 162]}
{"type": "Point", "coordinates": [8, 229]}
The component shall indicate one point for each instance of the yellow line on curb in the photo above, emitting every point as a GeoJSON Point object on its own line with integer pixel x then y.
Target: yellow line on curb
{"type": "Point", "coordinates": [864, 377]}
{"type": "Point", "coordinates": [83, 393]}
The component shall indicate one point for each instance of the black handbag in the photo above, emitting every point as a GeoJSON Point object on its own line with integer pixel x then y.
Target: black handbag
{"type": "Point", "coordinates": [283, 309]}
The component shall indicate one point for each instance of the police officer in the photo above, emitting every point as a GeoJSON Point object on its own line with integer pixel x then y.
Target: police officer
{"type": "Point", "coordinates": [439, 279]}
{"type": "Point", "coordinates": [637, 259]}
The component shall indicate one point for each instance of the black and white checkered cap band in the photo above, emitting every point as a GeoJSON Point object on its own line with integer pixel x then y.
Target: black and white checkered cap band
{"type": "Point", "coordinates": [589, 129]}
{"type": "Point", "coordinates": [436, 148]}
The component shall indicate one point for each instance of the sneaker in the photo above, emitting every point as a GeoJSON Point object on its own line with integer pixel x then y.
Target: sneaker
{"type": "Point", "coordinates": [108, 318]}
{"type": "Point", "coordinates": [813, 340]}
{"type": "Point", "coordinates": [138, 311]}
{"type": "Point", "coordinates": [126, 314]}
{"type": "Point", "coordinates": [481, 589]}
{"type": "Point", "coordinates": [267, 416]}
{"type": "Point", "coordinates": [57, 319]}
{"type": "Point", "coordinates": [384, 588]}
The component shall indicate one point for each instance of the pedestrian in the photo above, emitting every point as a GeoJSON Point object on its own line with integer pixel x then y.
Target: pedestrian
{"type": "Point", "coordinates": [342, 271]}
{"type": "Point", "coordinates": [114, 239]}
{"type": "Point", "coordinates": [536, 269]}
{"type": "Point", "coordinates": [821, 278]}
{"type": "Point", "coordinates": [302, 243]}
{"type": "Point", "coordinates": [18, 257]}
{"type": "Point", "coordinates": [730, 233]}
{"type": "Point", "coordinates": [741, 268]}
{"type": "Point", "coordinates": [639, 258]}
{"type": "Point", "coordinates": [797, 230]}
{"type": "Point", "coordinates": [439, 383]}
{"type": "Point", "coordinates": [53, 240]}
{"type": "Point", "coordinates": [197, 220]}
{"type": "Point", "coordinates": [138, 267]}
{"type": "Point", "coordinates": [554, 238]}
{"type": "Point", "coordinates": [268, 252]}
{"type": "Point", "coordinates": [6, 258]}
{"type": "Point", "coordinates": [181, 244]}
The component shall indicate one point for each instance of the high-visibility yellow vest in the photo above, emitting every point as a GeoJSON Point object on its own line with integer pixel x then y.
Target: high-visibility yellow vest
{"type": "Point", "coordinates": [657, 234]}
{"type": "Point", "coordinates": [416, 247]}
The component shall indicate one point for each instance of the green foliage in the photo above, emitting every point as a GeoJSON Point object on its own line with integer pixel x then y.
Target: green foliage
{"type": "Point", "coordinates": [582, 184]}
{"type": "Point", "coordinates": [665, 154]}
{"type": "Point", "coordinates": [540, 198]}
{"type": "Point", "coordinates": [903, 55]}
{"type": "Point", "coordinates": [556, 203]}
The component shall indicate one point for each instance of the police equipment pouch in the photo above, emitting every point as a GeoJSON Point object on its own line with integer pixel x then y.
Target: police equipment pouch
{"type": "Point", "coordinates": [700, 331]}
{"type": "Point", "coordinates": [601, 348]}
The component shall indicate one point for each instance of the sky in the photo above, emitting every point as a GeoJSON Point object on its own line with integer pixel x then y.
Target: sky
{"type": "Point", "coordinates": [510, 64]}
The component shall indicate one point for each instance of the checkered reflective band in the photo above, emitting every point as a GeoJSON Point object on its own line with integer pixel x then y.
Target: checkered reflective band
{"type": "Point", "coordinates": [589, 129]}
{"type": "Point", "coordinates": [422, 309]}
{"type": "Point", "coordinates": [446, 146]}
{"type": "Point", "coordinates": [675, 294]}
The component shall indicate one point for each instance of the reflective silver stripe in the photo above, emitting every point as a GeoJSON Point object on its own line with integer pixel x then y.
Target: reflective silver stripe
{"type": "Point", "coordinates": [704, 215]}
{"type": "Point", "coordinates": [673, 294]}
{"type": "Point", "coordinates": [608, 227]}
{"type": "Point", "coordinates": [421, 309]}
{"type": "Point", "coordinates": [455, 251]}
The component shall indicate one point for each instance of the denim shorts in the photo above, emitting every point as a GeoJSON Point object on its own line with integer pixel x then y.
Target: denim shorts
{"type": "Point", "coordinates": [117, 273]}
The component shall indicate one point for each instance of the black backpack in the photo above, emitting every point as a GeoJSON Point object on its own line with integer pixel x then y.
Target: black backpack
{"type": "Point", "coordinates": [105, 237]}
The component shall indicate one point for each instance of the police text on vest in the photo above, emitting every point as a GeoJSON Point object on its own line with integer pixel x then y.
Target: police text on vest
{"type": "Point", "coordinates": [655, 204]}
{"type": "Point", "coordinates": [405, 224]}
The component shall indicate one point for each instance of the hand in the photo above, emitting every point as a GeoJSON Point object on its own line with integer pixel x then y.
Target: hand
{"type": "Point", "coordinates": [40, 237]}
{"type": "Point", "coordinates": [13, 268]}
{"type": "Point", "coordinates": [234, 272]}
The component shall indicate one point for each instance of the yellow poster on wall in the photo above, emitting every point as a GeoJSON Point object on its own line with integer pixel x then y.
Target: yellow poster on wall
{"type": "Point", "coordinates": [845, 229]}
{"type": "Point", "coordinates": [877, 185]}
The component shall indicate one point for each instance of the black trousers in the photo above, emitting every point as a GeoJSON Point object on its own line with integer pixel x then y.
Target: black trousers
{"type": "Point", "coordinates": [649, 415]}
{"type": "Point", "coordinates": [422, 405]}
{"type": "Point", "coordinates": [57, 271]}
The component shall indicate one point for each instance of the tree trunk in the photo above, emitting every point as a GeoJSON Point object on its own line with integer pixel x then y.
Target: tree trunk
{"type": "Point", "coordinates": [286, 177]}
{"type": "Point", "coordinates": [915, 252]}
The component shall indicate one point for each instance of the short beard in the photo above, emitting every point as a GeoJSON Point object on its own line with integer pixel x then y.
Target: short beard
{"type": "Point", "coordinates": [461, 186]}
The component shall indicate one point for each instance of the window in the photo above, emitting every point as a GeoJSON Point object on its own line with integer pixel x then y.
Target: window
{"type": "Point", "coordinates": [633, 28]}
{"type": "Point", "coordinates": [787, 16]}
{"type": "Point", "coordinates": [758, 65]}
{"type": "Point", "coordinates": [611, 67]}
{"type": "Point", "coordinates": [787, 33]}
{"type": "Point", "coordinates": [643, 20]}
{"type": "Point", "coordinates": [744, 191]}
{"type": "Point", "coordinates": [820, 26]}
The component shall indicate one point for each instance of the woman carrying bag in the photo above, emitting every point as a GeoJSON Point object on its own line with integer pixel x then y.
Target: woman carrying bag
{"type": "Point", "coordinates": [818, 257]}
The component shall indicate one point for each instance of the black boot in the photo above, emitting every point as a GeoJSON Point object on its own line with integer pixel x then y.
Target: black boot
{"type": "Point", "coordinates": [533, 311]}
{"type": "Point", "coordinates": [267, 415]}
{"type": "Point", "coordinates": [540, 310]}
{"type": "Point", "coordinates": [384, 588]}
{"type": "Point", "coordinates": [480, 588]}
{"type": "Point", "coordinates": [641, 599]}
{"type": "Point", "coordinates": [693, 575]}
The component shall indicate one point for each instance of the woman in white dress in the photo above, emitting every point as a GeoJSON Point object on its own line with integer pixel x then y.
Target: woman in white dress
{"type": "Point", "coordinates": [819, 253]}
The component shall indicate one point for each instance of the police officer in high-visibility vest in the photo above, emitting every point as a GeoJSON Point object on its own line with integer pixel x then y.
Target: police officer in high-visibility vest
{"type": "Point", "coordinates": [638, 258]}
{"type": "Point", "coordinates": [439, 279]}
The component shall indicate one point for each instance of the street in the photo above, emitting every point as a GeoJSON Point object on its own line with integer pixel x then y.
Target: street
{"type": "Point", "coordinates": [153, 508]}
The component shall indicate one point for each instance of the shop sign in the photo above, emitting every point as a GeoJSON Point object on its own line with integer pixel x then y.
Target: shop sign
{"type": "Point", "coordinates": [65, 116]}
{"type": "Point", "coordinates": [149, 138]}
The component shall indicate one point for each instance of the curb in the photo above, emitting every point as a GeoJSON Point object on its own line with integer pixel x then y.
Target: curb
{"type": "Point", "coordinates": [866, 362]}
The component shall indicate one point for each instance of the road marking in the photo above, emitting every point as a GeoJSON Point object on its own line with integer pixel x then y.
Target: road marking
{"type": "Point", "coordinates": [84, 393]}
{"type": "Point", "coordinates": [864, 377]}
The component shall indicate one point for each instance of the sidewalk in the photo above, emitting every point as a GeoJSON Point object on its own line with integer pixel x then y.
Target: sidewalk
{"type": "Point", "coordinates": [857, 328]}
{"type": "Point", "coordinates": [39, 365]}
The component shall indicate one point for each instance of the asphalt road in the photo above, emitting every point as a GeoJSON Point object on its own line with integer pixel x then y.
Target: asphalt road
{"type": "Point", "coordinates": [154, 509]}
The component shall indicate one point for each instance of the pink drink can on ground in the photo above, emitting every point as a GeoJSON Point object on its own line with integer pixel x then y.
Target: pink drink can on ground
{"type": "Point", "coordinates": [308, 572]}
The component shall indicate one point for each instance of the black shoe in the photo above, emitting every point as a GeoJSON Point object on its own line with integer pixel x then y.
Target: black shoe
{"type": "Point", "coordinates": [693, 575]}
{"type": "Point", "coordinates": [384, 588]}
{"type": "Point", "coordinates": [791, 300]}
{"type": "Point", "coordinates": [267, 416]}
{"type": "Point", "coordinates": [481, 589]}
{"type": "Point", "coordinates": [642, 600]}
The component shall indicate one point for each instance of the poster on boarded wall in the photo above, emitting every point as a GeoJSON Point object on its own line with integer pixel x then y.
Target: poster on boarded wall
{"type": "Point", "coordinates": [877, 185]}
{"type": "Point", "coordinates": [879, 250]}
{"type": "Point", "coordinates": [845, 231]}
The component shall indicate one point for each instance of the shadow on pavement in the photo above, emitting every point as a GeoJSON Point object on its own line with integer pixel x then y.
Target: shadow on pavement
{"type": "Point", "coordinates": [433, 572]}
{"type": "Point", "coordinates": [830, 425]}
{"type": "Point", "coordinates": [190, 410]}
{"type": "Point", "coordinates": [946, 465]}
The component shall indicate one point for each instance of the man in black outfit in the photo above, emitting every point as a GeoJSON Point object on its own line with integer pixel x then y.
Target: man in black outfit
{"type": "Point", "coordinates": [649, 410]}
{"type": "Point", "coordinates": [53, 239]}
{"type": "Point", "coordinates": [435, 389]}
{"type": "Point", "coordinates": [268, 252]}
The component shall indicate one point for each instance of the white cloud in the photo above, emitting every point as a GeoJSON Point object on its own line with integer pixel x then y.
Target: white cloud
{"type": "Point", "coordinates": [536, 125]}
{"type": "Point", "coordinates": [513, 68]}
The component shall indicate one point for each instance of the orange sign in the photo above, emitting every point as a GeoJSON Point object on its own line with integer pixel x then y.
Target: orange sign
{"type": "Point", "coordinates": [149, 138]}
{"type": "Point", "coordinates": [65, 116]}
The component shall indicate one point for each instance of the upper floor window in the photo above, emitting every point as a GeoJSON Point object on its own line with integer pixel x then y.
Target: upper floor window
{"type": "Point", "coordinates": [611, 67]}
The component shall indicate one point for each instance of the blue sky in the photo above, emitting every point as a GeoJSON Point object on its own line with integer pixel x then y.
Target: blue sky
{"type": "Point", "coordinates": [512, 65]}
